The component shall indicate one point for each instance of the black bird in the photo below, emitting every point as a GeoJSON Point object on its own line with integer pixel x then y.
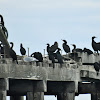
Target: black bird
{"type": "Point", "coordinates": [22, 49]}
{"type": "Point", "coordinates": [38, 56]}
{"type": "Point", "coordinates": [59, 57]}
{"type": "Point", "coordinates": [50, 52]}
{"type": "Point", "coordinates": [97, 67]}
{"type": "Point", "coordinates": [54, 47]}
{"type": "Point", "coordinates": [3, 27]}
{"type": "Point", "coordinates": [48, 48]}
{"type": "Point", "coordinates": [52, 57]}
{"type": "Point", "coordinates": [76, 49]}
{"type": "Point", "coordinates": [13, 53]}
{"type": "Point", "coordinates": [89, 52]}
{"type": "Point", "coordinates": [95, 46]}
{"type": "Point", "coordinates": [2, 21]}
{"type": "Point", "coordinates": [65, 46]}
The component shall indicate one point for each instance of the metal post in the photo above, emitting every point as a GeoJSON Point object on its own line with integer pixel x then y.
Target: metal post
{"type": "Point", "coordinates": [44, 52]}
{"type": "Point", "coordinates": [28, 52]}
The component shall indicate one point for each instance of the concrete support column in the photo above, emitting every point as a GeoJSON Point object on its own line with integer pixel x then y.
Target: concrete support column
{"type": "Point", "coordinates": [98, 96]}
{"type": "Point", "coordinates": [66, 96]}
{"type": "Point", "coordinates": [35, 96]}
{"type": "Point", "coordinates": [94, 96]}
{"type": "Point", "coordinates": [30, 96]}
{"type": "Point", "coordinates": [2, 95]}
{"type": "Point", "coordinates": [16, 97]}
{"type": "Point", "coordinates": [3, 88]}
{"type": "Point", "coordinates": [39, 96]}
{"type": "Point", "coordinates": [60, 96]}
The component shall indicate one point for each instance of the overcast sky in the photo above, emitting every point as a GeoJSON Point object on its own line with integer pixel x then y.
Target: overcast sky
{"type": "Point", "coordinates": [38, 22]}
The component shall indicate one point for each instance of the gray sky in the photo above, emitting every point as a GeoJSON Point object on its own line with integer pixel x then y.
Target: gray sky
{"type": "Point", "coordinates": [38, 22]}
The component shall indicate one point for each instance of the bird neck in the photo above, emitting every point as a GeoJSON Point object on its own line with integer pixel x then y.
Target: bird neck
{"type": "Point", "coordinates": [65, 42]}
{"type": "Point", "coordinates": [93, 40]}
{"type": "Point", "coordinates": [74, 47]}
{"type": "Point", "coordinates": [12, 45]}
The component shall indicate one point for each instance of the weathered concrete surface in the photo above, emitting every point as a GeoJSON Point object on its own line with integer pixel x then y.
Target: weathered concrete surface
{"type": "Point", "coordinates": [88, 71]}
{"type": "Point", "coordinates": [67, 73]}
{"type": "Point", "coordinates": [44, 71]}
{"type": "Point", "coordinates": [89, 58]}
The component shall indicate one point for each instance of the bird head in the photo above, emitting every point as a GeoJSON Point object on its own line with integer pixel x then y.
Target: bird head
{"type": "Point", "coordinates": [11, 42]}
{"type": "Point", "coordinates": [48, 44]}
{"type": "Point", "coordinates": [21, 45]}
{"type": "Point", "coordinates": [64, 41]}
{"type": "Point", "coordinates": [73, 45]}
{"type": "Point", "coordinates": [56, 43]}
{"type": "Point", "coordinates": [93, 37]}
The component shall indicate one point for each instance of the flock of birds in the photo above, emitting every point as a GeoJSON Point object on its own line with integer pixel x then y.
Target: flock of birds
{"type": "Point", "coordinates": [53, 51]}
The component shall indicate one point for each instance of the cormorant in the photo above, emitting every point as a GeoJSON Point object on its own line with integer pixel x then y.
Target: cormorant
{"type": "Point", "coordinates": [50, 52]}
{"type": "Point", "coordinates": [38, 56]}
{"type": "Point", "coordinates": [2, 21]}
{"type": "Point", "coordinates": [3, 27]}
{"type": "Point", "coordinates": [13, 53]}
{"type": "Point", "coordinates": [88, 51]}
{"type": "Point", "coordinates": [52, 57]}
{"type": "Point", "coordinates": [48, 48]}
{"type": "Point", "coordinates": [97, 67]}
{"type": "Point", "coordinates": [54, 47]}
{"type": "Point", "coordinates": [65, 46]}
{"type": "Point", "coordinates": [22, 49]}
{"type": "Point", "coordinates": [76, 49]}
{"type": "Point", "coordinates": [59, 57]}
{"type": "Point", "coordinates": [95, 46]}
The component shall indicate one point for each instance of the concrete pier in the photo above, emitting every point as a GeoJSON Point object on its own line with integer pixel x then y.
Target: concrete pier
{"type": "Point", "coordinates": [36, 79]}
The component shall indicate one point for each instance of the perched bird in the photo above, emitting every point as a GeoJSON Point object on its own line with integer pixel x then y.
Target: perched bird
{"type": "Point", "coordinates": [48, 48]}
{"type": "Point", "coordinates": [65, 46]}
{"type": "Point", "coordinates": [54, 47]}
{"type": "Point", "coordinates": [38, 56]}
{"type": "Point", "coordinates": [89, 52]}
{"type": "Point", "coordinates": [59, 57]}
{"type": "Point", "coordinates": [28, 59]}
{"type": "Point", "coordinates": [97, 67]}
{"type": "Point", "coordinates": [52, 58]}
{"type": "Point", "coordinates": [22, 49]}
{"type": "Point", "coordinates": [50, 52]}
{"type": "Point", "coordinates": [3, 27]}
{"type": "Point", "coordinates": [13, 53]}
{"type": "Point", "coordinates": [95, 46]}
{"type": "Point", "coordinates": [2, 21]}
{"type": "Point", "coordinates": [76, 49]}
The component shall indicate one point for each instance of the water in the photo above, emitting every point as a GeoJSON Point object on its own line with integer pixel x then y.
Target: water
{"type": "Point", "coordinates": [80, 97]}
